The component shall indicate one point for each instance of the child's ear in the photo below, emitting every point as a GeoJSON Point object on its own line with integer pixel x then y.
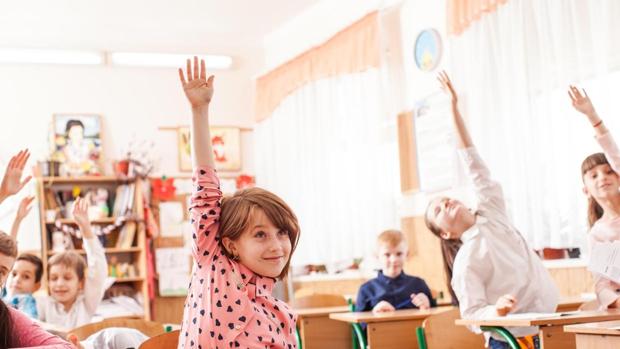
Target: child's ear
{"type": "Point", "coordinates": [37, 286]}
{"type": "Point", "coordinates": [445, 235]}
{"type": "Point", "coordinates": [81, 285]}
{"type": "Point", "coordinates": [585, 191]}
{"type": "Point", "coordinates": [229, 245]}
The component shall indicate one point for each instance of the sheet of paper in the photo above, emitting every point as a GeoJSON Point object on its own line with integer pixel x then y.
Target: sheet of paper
{"type": "Point", "coordinates": [605, 259]}
{"type": "Point", "coordinates": [171, 218]}
{"type": "Point", "coordinates": [173, 269]}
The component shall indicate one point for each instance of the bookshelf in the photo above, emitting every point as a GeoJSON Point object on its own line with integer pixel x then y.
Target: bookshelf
{"type": "Point", "coordinates": [122, 227]}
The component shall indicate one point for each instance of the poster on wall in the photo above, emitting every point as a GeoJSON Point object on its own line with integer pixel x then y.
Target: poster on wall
{"type": "Point", "coordinates": [436, 154]}
{"type": "Point", "coordinates": [76, 144]}
{"type": "Point", "coordinates": [226, 142]}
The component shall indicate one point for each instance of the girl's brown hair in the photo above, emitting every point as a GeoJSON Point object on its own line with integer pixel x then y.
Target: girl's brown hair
{"type": "Point", "coordinates": [8, 246]}
{"type": "Point", "coordinates": [449, 249]}
{"type": "Point", "coordinates": [595, 211]}
{"type": "Point", "coordinates": [69, 259]}
{"type": "Point", "coordinates": [238, 212]}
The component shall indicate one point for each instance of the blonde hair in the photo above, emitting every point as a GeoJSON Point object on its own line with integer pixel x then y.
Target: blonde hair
{"type": "Point", "coordinates": [8, 246]}
{"type": "Point", "coordinates": [238, 212]}
{"type": "Point", "coordinates": [391, 237]}
{"type": "Point", "coordinates": [69, 259]}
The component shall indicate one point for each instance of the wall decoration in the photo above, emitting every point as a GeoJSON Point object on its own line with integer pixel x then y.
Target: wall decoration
{"type": "Point", "coordinates": [428, 49]}
{"type": "Point", "coordinates": [76, 144]}
{"type": "Point", "coordinates": [226, 143]}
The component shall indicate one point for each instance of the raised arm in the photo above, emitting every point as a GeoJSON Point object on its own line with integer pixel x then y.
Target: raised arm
{"type": "Point", "coordinates": [199, 91]}
{"type": "Point", "coordinates": [582, 103]}
{"type": "Point", "coordinates": [12, 181]}
{"type": "Point", "coordinates": [22, 212]}
{"type": "Point", "coordinates": [464, 140]}
{"type": "Point", "coordinates": [95, 256]}
{"type": "Point", "coordinates": [204, 206]}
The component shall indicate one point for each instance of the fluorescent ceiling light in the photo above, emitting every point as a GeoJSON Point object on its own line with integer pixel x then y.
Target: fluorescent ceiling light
{"type": "Point", "coordinates": [167, 60]}
{"type": "Point", "coordinates": [44, 56]}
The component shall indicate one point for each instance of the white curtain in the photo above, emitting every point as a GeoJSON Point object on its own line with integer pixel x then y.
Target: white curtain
{"type": "Point", "coordinates": [329, 150]}
{"type": "Point", "coordinates": [512, 69]}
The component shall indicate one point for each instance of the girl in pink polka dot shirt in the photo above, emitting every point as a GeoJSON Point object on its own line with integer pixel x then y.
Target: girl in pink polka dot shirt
{"type": "Point", "coordinates": [241, 246]}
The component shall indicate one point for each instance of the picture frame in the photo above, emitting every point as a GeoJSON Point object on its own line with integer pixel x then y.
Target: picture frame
{"type": "Point", "coordinates": [76, 143]}
{"type": "Point", "coordinates": [226, 142]}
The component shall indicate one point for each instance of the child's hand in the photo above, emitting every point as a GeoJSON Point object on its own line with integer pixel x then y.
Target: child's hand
{"type": "Point", "coordinates": [75, 341]}
{"type": "Point", "coordinates": [446, 85]}
{"type": "Point", "coordinates": [505, 304]}
{"type": "Point", "coordinates": [80, 214]}
{"type": "Point", "coordinates": [383, 307]}
{"type": "Point", "coordinates": [582, 103]}
{"type": "Point", "coordinates": [24, 208]}
{"type": "Point", "coordinates": [12, 183]}
{"type": "Point", "coordinates": [198, 89]}
{"type": "Point", "coordinates": [421, 301]}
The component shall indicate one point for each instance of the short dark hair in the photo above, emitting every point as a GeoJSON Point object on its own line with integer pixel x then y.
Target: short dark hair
{"type": "Point", "coordinates": [73, 122]}
{"type": "Point", "coordinates": [38, 264]}
{"type": "Point", "coordinates": [8, 246]}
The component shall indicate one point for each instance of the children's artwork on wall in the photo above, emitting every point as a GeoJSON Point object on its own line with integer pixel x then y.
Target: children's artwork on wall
{"type": "Point", "coordinates": [76, 144]}
{"type": "Point", "coordinates": [226, 142]}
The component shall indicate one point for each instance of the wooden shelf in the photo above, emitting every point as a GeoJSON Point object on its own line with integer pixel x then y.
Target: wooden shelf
{"type": "Point", "coordinates": [108, 220]}
{"type": "Point", "coordinates": [129, 279]}
{"type": "Point", "coordinates": [107, 250]}
{"type": "Point", "coordinates": [86, 179]}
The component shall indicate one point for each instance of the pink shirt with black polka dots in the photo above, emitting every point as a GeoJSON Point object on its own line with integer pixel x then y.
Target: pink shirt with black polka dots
{"type": "Point", "coordinates": [228, 306]}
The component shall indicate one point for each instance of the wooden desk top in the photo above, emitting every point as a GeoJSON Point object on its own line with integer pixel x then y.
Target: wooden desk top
{"type": "Point", "coordinates": [603, 328]}
{"type": "Point", "coordinates": [369, 316]}
{"type": "Point", "coordinates": [523, 320]}
{"type": "Point", "coordinates": [323, 311]}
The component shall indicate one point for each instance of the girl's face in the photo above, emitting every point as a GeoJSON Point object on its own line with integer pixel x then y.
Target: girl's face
{"type": "Point", "coordinates": [601, 182]}
{"type": "Point", "coordinates": [263, 248]}
{"type": "Point", "coordinates": [64, 284]}
{"type": "Point", "coordinates": [447, 214]}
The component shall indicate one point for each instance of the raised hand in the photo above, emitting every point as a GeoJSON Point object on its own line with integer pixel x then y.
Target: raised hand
{"type": "Point", "coordinates": [198, 89]}
{"type": "Point", "coordinates": [383, 307]}
{"type": "Point", "coordinates": [12, 182]}
{"type": "Point", "coordinates": [80, 214]}
{"type": "Point", "coordinates": [505, 304]}
{"type": "Point", "coordinates": [581, 102]}
{"type": "Point", "coordinates": [420, 300]}
{"type": "Point", "coordinates": [446, 85]}
{"type": "Point", "coordinates": [24, 208]}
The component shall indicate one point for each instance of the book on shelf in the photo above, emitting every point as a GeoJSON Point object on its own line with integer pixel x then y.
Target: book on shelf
{"type": "Point", "coordinates": [126, 235]}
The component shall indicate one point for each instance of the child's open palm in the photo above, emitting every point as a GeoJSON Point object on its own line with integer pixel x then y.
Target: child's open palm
{"type": "Point", "coordinates": [12, 181]}
{"type": "Point", "coordinates": [581, 102]}
{"type": "Point", "coordinates": [198, 89]}
{"type": "Point", "coordinates": [80, 214]}
{"type": "Point", "coordinates": [24, 207]}
{"type": "Point", "coordinates": [446, 85]}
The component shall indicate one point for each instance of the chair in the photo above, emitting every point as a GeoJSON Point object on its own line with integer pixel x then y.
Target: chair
{"type": "Point", "coordinates": [317, 300]}
{"type": "Point", "coordinates": [439, 331]}
{"type": "Point", "coordinates": [590, 305]}
{"type": "Point", "coordinates": [168, 340]}
{"type": "Point", "coordinates": [149, 328]}
{"type": "Point", "coordinates": [359, 338]}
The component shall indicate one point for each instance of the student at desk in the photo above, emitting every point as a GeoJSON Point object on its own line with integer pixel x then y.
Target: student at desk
{"type": "Point", "coordinates": [495, 272]}
{"type": "Point", "coordinates": [392, 289]}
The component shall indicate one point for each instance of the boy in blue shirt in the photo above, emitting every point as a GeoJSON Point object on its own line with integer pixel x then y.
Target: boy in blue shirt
{"type": "Point", "coordinates": [24, 280]}
{"type": "Point", "coordinates": [392, 289]}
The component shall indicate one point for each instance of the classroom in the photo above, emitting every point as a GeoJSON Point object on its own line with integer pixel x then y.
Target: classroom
{"type": "Point", "coordinates": [308, 174]}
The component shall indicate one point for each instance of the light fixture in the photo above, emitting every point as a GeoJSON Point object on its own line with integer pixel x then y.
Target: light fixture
{"type": "Point", "coordinates": [49, 56]}
{"type": "Point", "coordinates": [167, 60]}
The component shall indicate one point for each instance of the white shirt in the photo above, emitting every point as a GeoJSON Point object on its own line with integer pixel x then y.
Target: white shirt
{"type": "Point", "coordinates": [495, 260]}
{"type": "Point", "coordinates": [86, 304]}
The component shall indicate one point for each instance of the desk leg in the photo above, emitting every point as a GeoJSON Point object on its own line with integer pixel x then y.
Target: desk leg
{"type": "Point", "coordinates": [595, 341]}
{"type": "Point", "coordinates": [393, 334]}
{"type": "Point", "coordinates": [554, 337]}
{"type": "Point", "coordinates": [323, 332]}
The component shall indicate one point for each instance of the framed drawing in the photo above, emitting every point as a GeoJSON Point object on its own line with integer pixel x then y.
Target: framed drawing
{"type": "Point", "coordinates": [76, 143]}
{"type": "Point", "coordinates": [226, 142]}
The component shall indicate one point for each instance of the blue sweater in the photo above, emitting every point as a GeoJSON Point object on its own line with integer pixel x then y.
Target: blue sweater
{"type": "Point", "coordinates": [397, 291]}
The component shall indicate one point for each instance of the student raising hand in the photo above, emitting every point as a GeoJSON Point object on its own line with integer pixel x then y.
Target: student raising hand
{"type": "Point", "coordinates": [446, 86]}
{"type": "Point", "coordinates": [80, 214]}
{"type": "Point", "coordinates": [421, 301]}
{"type": "Point", "coordinates": [198, 89]}
{"type": "Point", "coordinates": [505, 304]}
{"type": "Point", "coordinates": [22, 211]}
{"type": "Point", "coordinates": [12, 183]}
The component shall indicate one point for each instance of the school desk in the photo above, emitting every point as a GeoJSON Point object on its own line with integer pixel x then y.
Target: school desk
{"type": "Point", "coordinates": [551, 332]}
{"type": "Point", "coordinates": [318, 331]}
{"type": "Point", "coordinates": [571, 303]}
{"type": "Point", "coordinates": [596, 335]}
{"type": "Point", "coordinates": [396, 329]}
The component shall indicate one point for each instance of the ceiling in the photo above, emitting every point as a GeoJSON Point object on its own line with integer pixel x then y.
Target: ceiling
{"type": "Point", "coordinates": [232, 27]}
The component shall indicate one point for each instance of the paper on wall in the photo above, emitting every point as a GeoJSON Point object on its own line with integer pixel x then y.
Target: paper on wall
{"type": "Point", "coordinates": [173, 268]}
{"type": "Point", "coordinates": [171, 218]}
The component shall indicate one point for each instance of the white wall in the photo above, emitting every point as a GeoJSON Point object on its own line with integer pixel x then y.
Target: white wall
{"type": "Point", "coordinates": [133, 102]}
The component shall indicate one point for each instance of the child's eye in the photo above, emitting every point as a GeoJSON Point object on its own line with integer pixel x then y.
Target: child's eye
{"type": "Point", "coordinates": [283, 232]}
{"type": "Point", "coordinates": [260, 234]}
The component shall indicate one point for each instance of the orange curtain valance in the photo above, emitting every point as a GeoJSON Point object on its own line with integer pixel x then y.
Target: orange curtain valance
{"type": "Point", "coordinates": [461, 13]}
{"type": "Point", "coordinates": [352, 50]}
